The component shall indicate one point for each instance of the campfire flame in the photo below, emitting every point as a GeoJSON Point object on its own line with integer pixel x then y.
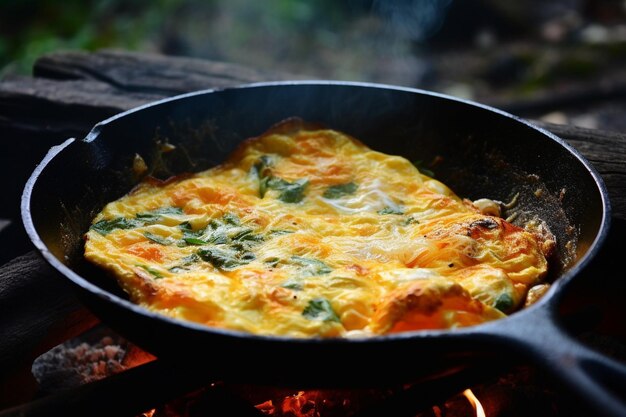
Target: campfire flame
{"type": "Point", "coordinates": [315, 403]}
{"type": "Point", "coordinates": [478, 407]}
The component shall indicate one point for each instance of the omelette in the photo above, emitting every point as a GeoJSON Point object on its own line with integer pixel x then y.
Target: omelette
{"type": "Point", "coordinates": [306, 232]}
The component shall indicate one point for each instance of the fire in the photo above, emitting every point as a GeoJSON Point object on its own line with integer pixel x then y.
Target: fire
{"type": "Point", "coordinates": [330, 403]}
{"type": "Point", "coordinates": [321, 403]}
{"type": "Point", "coordinates": [302, 404]}
{"type": "Point", "coordinates": [478, 407]}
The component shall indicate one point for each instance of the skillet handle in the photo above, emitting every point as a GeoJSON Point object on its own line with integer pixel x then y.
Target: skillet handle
{"type": "Point", "coordinates": [596, 380]}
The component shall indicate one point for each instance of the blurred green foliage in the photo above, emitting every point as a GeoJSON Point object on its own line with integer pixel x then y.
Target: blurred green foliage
{"type": "Point", "coordinates": [285, 34]}
{"type": "Point", "coordinates": [30, 28]}
{"type": "Point", "coordinates": [499, 48]}
{"type": "Point", "coordinates": [228, 29]}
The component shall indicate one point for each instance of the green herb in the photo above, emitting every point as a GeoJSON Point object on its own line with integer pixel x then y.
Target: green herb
{"type": "Point", "coordinates": [504, 302]}
{"type": "Point", "coordinates": [280, 232]}
{"type": "Point", "coordinates": [185, 227]}
{"type": "Point", "coordinates": [410, 220]}
{"type": "Point", "coordinates": [225, 258]}
{"type": "Point", "coordinates": [154, 216]}
{"type": "Point", "coordinates": [104, 227]}
{"type": "Point", "coordinates": [391, 210]}
{"type": "Point", "coordinates": [156, 274]}
{"type": "Point", "coordinates": [194, 241]}
{"type": "Point", "coordinates": [219, 232]}
{"type": "Point", "coordinates": [226, 243]}
{"type": "Point", "coordinates": [311, 267]}
{"type": "Point", "coordinates": [245, 234]}
{"type": "Point", "coordinates": [244, 239]}
{"type": "Point", "coordinates": [261, 167]}
{"type": "Point", "coordinates": [217, 237]}
{"type": "Point", "coordinates": [421, 168]}
{"type": "Point", "coordinates": [293, 284]}
{"type": "Point", "coordinates": [189, 236]}
{"type": "Point", "coordinates": [262, 171]}
{"type": "Point", "coordinates": [232, 219]}
{"type": "Point", "coordinates": [185, 263]}
{"type": "Point", "coordinates": [263, 186]}
{"type": "Point", "coordinates": [339, 190]}
{"type": "Point", "coordinates": [290, 192]}
{"type": "Point", "coordinates": [320, 309]}
{"type": "Point", "coordinates": [276, 183]}
{"type": "Point", "coordinates": [158, 239]}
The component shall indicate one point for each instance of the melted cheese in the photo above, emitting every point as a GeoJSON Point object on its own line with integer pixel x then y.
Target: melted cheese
{"type": "Point", "coordinates": [307, 232]}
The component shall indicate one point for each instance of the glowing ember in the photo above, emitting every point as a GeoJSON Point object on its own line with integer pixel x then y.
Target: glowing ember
{"type": "Point", "coordinates": [478, 407]}
{"type": "Point", "coordinates": [318, 403]}
{"type": "Point", "coordinates": [301, 404]}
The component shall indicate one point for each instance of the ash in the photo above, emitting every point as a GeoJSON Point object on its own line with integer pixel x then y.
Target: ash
{"type": "Point", "coordinates": [92, 356]}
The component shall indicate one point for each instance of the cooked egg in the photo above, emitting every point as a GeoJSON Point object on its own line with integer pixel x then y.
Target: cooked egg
{"type": "Point", "coordinates": [306, 232]}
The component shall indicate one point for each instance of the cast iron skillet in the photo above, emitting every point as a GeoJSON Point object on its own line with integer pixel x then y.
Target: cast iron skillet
{"type": "Point", "coordinates": [481, 152]}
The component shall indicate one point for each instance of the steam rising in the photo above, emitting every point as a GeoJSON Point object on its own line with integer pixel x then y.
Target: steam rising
{"type": "Point", "coordinates": [412, 19]}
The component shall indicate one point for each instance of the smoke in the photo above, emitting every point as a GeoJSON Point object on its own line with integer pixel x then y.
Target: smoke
{"type": "Point", "coordinates": [416, 20]}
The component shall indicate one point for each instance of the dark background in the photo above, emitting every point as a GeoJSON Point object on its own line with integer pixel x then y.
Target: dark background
{"type": "Point", "coordinates": [487, 50]}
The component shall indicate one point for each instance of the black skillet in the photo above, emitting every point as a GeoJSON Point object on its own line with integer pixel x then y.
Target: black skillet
{"type": "Point", "coordinates": [478, 151]}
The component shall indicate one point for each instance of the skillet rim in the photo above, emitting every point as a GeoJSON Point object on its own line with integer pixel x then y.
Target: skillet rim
{"type": "Point", "coordinates": [547, 302]}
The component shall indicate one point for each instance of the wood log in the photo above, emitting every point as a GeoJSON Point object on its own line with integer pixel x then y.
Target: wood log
{"type": "Point", "coordinates": [39, 310]}
{"type": "Point", "coordinates": [575, 96]}
{"type": "Point", "coordinates": [67, 107]}
{"type": "Point", "coordinates": [150, 73]}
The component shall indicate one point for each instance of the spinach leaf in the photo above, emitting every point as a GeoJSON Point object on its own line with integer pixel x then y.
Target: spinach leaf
{"type": "Point", "coordinates": [262, 171]}
{"type": "Point", "coordinates": [185, 263]}
{"type": "Point", "coordinates": [391, 210]}
{"type": "Point", "coordinates": [185, 227]}
{"type": "Point", "coordinates": [219, 231]}
{"type": "Point", "coordinates": [320, 309]}
{"type": "Point", "coordinates": [226, 242]}
{"type": "Point", "coordinates": [194, 241]}
{"type": "Point", "coordinates": [410, 220]}
{"type": "Point", "coordinates": [263, 186]}
{"type": "Point", "coordinates": [154, 216]}
{"type": "Point", "coordinates": [232, 219]}
{"type": "Point", "coordinates": [104, 227]}
{"type": "Point", "coordinates": [310, 266]}
{"type": "Point", "coordinates": [504, 302]}
{"type": "Point", "coordinates": [262, 165]}
{"type": "Point", "coordinates": [290, 192]}
{"type": "Point", "coordinates": [156, 274]}
{"type": "Point", "coordinates": [245, 234]}
{"type": "Point", "coordinates": [279, 232]}
{"type": "Point", "coordinates": [225, 258]}
{"type": "Point", "coordinates": [339, 190]}
{"type": "Point", "coordinates": [293, 284]}
{"type": "Point", "coordinates": [158, 239]}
